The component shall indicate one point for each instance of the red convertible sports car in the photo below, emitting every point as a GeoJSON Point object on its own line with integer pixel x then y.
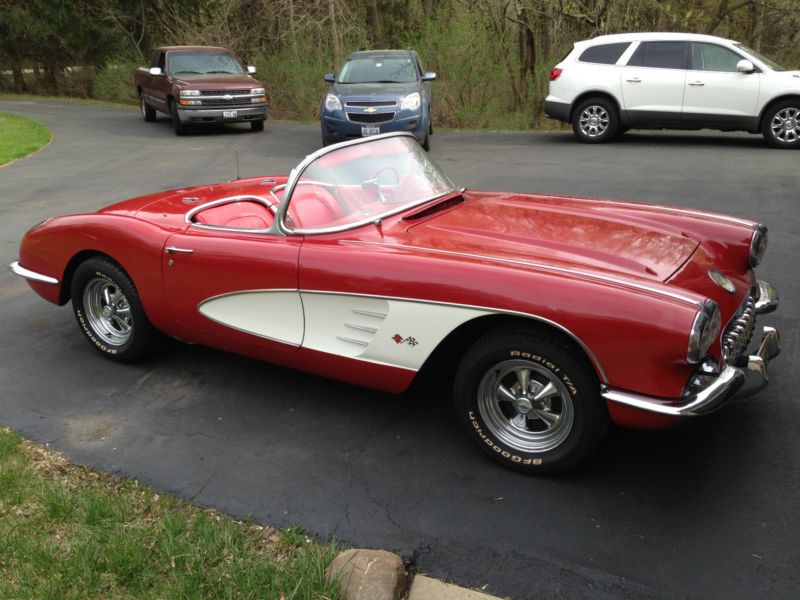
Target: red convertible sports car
{"type": "Point", "coordinates": [554, 315]}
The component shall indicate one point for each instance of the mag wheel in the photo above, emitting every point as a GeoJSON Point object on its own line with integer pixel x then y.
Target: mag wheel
{"type": "Point", "coordinates": [781, 125]}
{"type": "Point", "coordinates": [109, 312]}
{"type": "Point", "coordinates": [529, 402]}
{"type": "Point", "coordinates": [595, 121]}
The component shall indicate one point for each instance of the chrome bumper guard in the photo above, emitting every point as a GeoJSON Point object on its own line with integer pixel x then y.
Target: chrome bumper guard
{"type": "Point", "coordinates": [18, 269]}
{"type": "Point", "coordinates": [722, 388]}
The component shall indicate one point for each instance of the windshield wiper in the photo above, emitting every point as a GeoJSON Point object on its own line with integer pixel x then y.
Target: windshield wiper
{"type": "Point", "coordinates": [187, 72]}
{"type": "Point", "coordinates": [226, 72]}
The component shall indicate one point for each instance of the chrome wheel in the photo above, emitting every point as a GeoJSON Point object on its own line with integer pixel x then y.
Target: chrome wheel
{"type": "Point", "coordinates": [593, 121]}
{"type": "Point", "coordinates": [525, 406]}
{"type": "Point", "coordinates": [785, 125]}
{"type": "Point", "coordinates": [108, 311]}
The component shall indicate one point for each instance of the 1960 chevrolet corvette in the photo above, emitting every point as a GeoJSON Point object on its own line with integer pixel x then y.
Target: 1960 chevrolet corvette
{"type": "Point", "coordinates": [554, 315]}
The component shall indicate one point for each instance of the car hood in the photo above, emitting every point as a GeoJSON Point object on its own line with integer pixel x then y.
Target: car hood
{"type": "Point", "coordinates": [589, 236]}
{"type": "Point", "coordinates": [218, 81]}
{"type": "Point", "coordinates": [374, 91]}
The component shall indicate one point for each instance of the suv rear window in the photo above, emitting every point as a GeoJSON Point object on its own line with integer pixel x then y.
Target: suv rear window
{"type": "Point", "coordinates": [604, 54]}
{"type": "Point", "coordinates": [660, 55]}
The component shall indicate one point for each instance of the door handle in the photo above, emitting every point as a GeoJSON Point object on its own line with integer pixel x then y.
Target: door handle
{"type": "Point", "coordinates": [174, 250]}
{"type": "Point", "coordinates": [634, 80]}
{"type": "Point", "coordinates": [697, 84]}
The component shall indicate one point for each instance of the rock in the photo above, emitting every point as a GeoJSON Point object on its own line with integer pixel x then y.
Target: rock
{"type": "Point", "coordinates": [368, 574]}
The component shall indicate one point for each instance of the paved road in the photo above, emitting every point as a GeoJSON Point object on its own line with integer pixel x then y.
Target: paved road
{"type": "Point", "coordinates": [710, 510]}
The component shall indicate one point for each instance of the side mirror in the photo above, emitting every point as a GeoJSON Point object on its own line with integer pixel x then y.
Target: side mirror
{"type": "Point", "coordinates": [745, 66]}
{"type": "Point", "coordinates": [251, 69]}
{"type": "Point", "coordinates": [329, 78]}
{"type": "Point", "coordinates": [156, 71]}
{"type": "Point", "coordinates": [429, 76]}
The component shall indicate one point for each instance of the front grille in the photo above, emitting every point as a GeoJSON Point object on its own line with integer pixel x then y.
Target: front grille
{"type": "Point", "coordinates": [224, 102]}
{"type": "Point", "coordinates": [224, 92]}
{"type": "Point", "coordinates": [368, 103]}
{"type": "Point", "coordinates": [371, 118]}
{"type": "Point", "coordinates": [740, 329]}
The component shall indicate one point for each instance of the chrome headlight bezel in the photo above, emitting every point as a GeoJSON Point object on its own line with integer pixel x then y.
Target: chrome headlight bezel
{"type": "Point", "coordinates": [705, 329]}
{"type": "Point", "coordinates": [332, 102]}
{"type": "Point", "coordinates": [258, 91]}
{"type": "Point", "coordinates": [758, 246]}
{"type": "Point", "coordinates": [185, 93]}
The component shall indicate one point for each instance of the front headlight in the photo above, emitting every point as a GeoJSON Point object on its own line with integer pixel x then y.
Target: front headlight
{"type": "Point", "coordinates": [258, 91]}
{"type": "Point", "coordinates": [190, 93]}
{"type": "Point", "coordinates": [758, 246]}
{"type": "Point", "coordinates": [705, 330]}
{"type": "Point", "coordinates": [411, 102]}
{"type": "Point", "coordinates": [332, 103]}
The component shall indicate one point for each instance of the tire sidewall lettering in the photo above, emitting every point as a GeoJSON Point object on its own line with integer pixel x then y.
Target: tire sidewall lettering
{"type": "Point", "coordinates": [495, 447]}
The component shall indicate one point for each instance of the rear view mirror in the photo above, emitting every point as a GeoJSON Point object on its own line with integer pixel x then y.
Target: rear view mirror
{"type": "Point", "coordinates": [745, 66]}
{"type": "Point", "coordinates": [155, 71]}
{"type": "Point", "coordinates": [329, 78]}
{"type": "Point", "coordinates": [251, 69]}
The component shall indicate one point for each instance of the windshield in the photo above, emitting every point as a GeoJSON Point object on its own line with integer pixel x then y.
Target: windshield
{"type": "Point", "coordinates": [378, 69]}
{"type": "Point", "coordinates": [357, 184]}
{"type": "Point", "coordinates": [203, 63]}
{"type": "Point", "coordinates": [770, 63]}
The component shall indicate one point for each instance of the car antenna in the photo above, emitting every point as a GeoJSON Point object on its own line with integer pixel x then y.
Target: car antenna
{"type": "Point", "coordinates": [236, 160]}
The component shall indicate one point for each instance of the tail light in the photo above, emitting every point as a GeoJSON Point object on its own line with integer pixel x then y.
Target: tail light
{"type": "Point", "coordinates": [555, 74]}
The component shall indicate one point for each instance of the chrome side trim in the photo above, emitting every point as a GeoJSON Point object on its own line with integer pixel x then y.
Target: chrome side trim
{"type": "Point", "coordinates": [369, 313]}
{"type": "Point", "coordinates": [708, 400]}
{"type": "Point", "coordinates": [595, 362]}
{"type": "Point", "coordinates": [18, 269]}
{"type": "Point", "coordinates": [768, 298]}
{"type": "Point", "coordinates": [365, 328]}
{"type": "Point", "coordinates": [352, 340]}
{"type": "Point", "coordinates": [587, 274]}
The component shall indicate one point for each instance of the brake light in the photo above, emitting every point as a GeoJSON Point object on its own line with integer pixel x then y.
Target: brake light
{"type": "Point", "coordinates": [555, 74]}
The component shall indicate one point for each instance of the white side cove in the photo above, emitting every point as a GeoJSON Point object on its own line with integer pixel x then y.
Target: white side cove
{"type": "Point", "coordinates": [400, 333]}
{"type": "Point", "coordinates": [273, 314]}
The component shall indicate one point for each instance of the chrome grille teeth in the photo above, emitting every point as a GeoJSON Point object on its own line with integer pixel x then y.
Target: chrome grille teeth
{"type": "Point", "coordinates": [739, 330]}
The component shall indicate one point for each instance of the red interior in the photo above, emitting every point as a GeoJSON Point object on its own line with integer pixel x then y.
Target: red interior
{"type": "Point", "coordinates": [241, 215]}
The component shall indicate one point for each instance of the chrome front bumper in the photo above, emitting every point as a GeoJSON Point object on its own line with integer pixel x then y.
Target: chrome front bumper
{"type": "Point", "coordinates": [747, 376]}
{"type": "Point", "coordinates": [18, 269]}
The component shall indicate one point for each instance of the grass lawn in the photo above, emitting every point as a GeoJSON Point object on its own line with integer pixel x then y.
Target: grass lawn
{"type": "Point", "coordinates": [69, 532]}
{"type": "Point", "coordinates": [19, 136]}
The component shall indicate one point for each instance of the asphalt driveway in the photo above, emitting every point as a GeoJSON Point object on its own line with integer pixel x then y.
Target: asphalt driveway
{"type": "Point", "coordinates": [709, 510]}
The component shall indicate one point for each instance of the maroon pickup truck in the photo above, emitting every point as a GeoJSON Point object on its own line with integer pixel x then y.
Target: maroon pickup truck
{"type": "Point", "coordinates": [199, 85]}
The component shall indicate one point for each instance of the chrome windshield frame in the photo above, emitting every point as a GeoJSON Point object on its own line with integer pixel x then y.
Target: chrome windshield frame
{"type": "Point", "coordinates": [279, 226]}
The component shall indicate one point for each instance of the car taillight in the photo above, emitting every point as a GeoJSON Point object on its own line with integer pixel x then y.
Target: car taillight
{"type": "Point", "coordinates": [555, 74]}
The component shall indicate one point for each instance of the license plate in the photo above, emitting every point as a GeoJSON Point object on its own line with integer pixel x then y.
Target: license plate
{"type": "Point", "coordinates": [230, 114]}
{"type": "Point", "coordinates": [365, 131]}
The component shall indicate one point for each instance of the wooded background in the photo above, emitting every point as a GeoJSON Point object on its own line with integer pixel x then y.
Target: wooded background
{"type": "Point", "coordinates": [493, 57]}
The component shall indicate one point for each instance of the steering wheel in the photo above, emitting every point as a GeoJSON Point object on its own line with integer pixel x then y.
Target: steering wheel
{"type": "Point", "coordinates": [379, 179]}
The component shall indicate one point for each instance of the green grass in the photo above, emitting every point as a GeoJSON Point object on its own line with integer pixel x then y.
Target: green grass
{"type": "Point", "coordinates": [69, 532]}
{"type": "Point", "coordinates": [20, 136]}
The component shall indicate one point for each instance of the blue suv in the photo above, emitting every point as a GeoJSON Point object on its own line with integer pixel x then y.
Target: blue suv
{"type": "Point", "coordinates": [378, 91]}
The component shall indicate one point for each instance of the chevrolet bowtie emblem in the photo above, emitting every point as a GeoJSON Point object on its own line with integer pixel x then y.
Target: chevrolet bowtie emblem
{"type": "Point", "coordinates": [369, 109]}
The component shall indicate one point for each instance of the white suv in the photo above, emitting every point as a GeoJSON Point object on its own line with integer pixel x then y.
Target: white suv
{"type": "Point", "coordinates": [612, 83]}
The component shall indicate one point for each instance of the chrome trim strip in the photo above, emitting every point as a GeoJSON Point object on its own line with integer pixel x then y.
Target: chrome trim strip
{"type": "Point", "coordinates": [675, 209]}
{"type": "Point", "coordinates": [584, 347]}
{"type": "Point", "coordinates": [352, 341]}
{"type": "Point", "coordinates": [18, 269]}
{"type": "Point", "coordinates": [768, 299]}
{"type": "Point", "coordinates": [294, 176]}
{"type": "Point", "coordinates": [361, 327]}
{"type": "Point", "coordinates": [716, 395]}
{"type": "Point", "coordinates": [587, 274]}
{"type": "Point", "coordinates": [369, 313]}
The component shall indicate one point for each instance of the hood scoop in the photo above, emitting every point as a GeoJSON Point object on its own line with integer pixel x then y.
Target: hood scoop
{"type": "Point", "coordinates": [437, 207]}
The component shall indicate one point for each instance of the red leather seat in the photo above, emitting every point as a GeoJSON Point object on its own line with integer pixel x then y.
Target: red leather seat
{"type": "Point", "coordinates": [240, 215]}
{"type": "Point", "coordinates": [312, 207]}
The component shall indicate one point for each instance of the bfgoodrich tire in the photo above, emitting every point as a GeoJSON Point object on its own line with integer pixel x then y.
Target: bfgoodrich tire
{"type": "Point", "coordinates": [529, 401]}
{"type": "Point", "coordinates": [595, 121]}
{"type": "Point", "coordinates": [109, 311]}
